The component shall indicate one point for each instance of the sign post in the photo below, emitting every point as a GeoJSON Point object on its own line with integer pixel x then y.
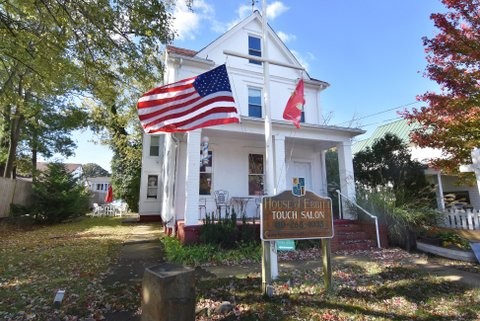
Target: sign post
{"type": "Point", "coordinates": [297, 214]}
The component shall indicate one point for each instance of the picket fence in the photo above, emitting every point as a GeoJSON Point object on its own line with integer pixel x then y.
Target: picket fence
{"type": "Point", "coordinates": [13, 191]}
{"type": "Point", "coordinates": [462, 219]}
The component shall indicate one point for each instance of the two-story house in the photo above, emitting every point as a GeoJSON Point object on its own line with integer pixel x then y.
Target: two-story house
{"type": "Point", "coordinates": [177, 187]}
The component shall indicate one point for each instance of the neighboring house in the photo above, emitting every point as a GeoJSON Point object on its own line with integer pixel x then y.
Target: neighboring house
{"type": "Point", "coordinates": [450, 192]}
{"type": "Point", "coordinates": [177, 188]}
{"type": "Point", "coordinates": [75, 169]}
{"type": "Point", "coordinates": [98, 186]}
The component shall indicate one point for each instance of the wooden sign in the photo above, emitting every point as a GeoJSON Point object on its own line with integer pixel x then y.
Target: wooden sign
{"type": "Point", "coordinates": [286, 216]}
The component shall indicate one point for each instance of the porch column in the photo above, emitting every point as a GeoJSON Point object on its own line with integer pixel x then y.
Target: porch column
{"type": "Point", "coordinates": [281, 183]}
{"type": "Point", "coordinates": [192, 177]}
{"type": "Point", "coordinates": [347, 180]}
{"type": "Point", "coordinates": [323, 172]}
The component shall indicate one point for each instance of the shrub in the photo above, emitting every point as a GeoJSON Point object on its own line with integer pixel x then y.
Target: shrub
{"type": "Point", "coordinates": [58, 195]}
{"type": "Point", "coordinates": [403, 219]}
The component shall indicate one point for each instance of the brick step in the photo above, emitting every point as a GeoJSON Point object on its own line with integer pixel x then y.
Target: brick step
{"type": "Point", "coordinates": [347, 228]}
{"type": "Point", "coordinates": [342, 236]}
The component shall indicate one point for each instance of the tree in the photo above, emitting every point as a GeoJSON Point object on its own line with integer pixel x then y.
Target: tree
{"type": "Point", "coordinates": [58, 195]}
{"type": "Point", "coordinates": [451, 119]}
{"type": "Point", "coordinates": [94, 170]}
{"type": "Point", "coordinates": [72, 50]}
{"type": "Point", "coordinates": [388, 163]}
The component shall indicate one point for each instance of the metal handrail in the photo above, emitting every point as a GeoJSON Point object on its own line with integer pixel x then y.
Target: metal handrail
{"type": "Point", "coordinates": [340, 195]}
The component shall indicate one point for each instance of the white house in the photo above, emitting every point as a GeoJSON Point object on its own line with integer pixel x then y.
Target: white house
{"type": "Point", "coordinates": [450, 191]}
{"type": "Point", "coordinates": [176, 187]}
{"type": "Point", "coordinates": [98, 186]}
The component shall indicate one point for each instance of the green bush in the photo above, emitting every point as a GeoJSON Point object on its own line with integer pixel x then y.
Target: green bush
{"type": "Point", "coordinates": [58, 195]}
{"type": "Point", "coordinates": [402, 218]}
{"type": "Point", "coordinates": [208, 253]}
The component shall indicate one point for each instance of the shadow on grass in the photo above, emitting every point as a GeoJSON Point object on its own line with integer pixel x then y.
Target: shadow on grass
{"type": "Point", "coordinates": [419, 291]}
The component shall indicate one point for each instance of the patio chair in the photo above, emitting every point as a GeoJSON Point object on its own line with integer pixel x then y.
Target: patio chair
{"type": "Point", "coordinates": [122, 209]}
{"type": "Point", "coordinates": [222, 201]}
{"type": "Point", "coordinates": [98, 210]}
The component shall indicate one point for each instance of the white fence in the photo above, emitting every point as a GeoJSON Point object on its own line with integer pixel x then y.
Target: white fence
{"type": "Point", "coordinates": [13, 191]}
{"type": "Point", "coordinates": [462, 219]}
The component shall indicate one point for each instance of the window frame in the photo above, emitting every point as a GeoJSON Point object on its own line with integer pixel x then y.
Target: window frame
{"type": "Point", "coordinates": [154, 187]}
{"type": "Point", "coordinates": [254, 50]}
{"type": "Point", "coordinates": [156, 152]}
{"type": "Point", "coordinates": [206, 170]}
{"type": "Point", "coordinates": [261, 175]}
{"type": "Point", "coordinates": [253, 108]}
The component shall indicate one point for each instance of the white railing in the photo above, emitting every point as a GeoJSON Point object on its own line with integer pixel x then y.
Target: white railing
{"type": "Point", "coordinates": [461, 219]}
{"type": "Point", "coordinates": [340, 208]}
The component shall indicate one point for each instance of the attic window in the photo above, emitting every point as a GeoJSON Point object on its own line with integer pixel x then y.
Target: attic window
{"type": "Point", "coordinates": [254, 49]}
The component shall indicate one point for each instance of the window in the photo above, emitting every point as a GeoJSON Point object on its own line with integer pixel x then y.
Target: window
{"type": "Point", "coordinates": [302, 118]}
{"type": "Point", "coordinates": [255, 102]}
{"type": "Point", "coordinates": [154, 145]}
{"type": "Point", "coordinates": [256, 174]}
{"type": "Point", "coordinates": [206, 175]}
{"type": "Point", "coordinates": [152, 187]}
{"type": "Point", "coordinates": [458, 199]}
{"type": "Point", "coordinates": [254, 49]}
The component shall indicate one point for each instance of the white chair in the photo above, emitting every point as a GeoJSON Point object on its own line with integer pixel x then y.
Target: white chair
{"type": "Point", "coordinates": [109, 210]}
{"type": "Point", "coordinates": [122, 209]}
{"type": "Point", "coordinates": [98, 210]}
{"type": "Point", "coordinates": [222, 201]}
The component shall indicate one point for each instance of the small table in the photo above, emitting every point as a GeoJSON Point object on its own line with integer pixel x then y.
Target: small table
{"type": "Point", "coordinates": [241, 203]}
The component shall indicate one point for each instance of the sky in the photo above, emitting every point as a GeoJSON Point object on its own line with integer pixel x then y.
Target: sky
{"type": "Point", "coordinates": [370, 52]}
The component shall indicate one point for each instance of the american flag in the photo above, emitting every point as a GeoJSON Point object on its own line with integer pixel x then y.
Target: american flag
{"type": "Point", "coordinates": [201, 101]}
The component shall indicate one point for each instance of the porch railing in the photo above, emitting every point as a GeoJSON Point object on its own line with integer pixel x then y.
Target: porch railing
{"type": "Point", "coordinates": [342, 197]}
{"type": "Point", "coordinates": [468, 219]}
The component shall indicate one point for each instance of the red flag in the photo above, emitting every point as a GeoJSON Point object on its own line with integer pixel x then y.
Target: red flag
{"type": "Point", "coordinates": [201, 101]}
{"type": "Point", "coordinates": [109, 195]}
{"type": "Point", "coordinates": [294, 107]}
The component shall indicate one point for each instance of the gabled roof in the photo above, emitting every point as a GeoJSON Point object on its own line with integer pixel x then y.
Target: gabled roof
{"type": "Point", "coordinates": [256, 15]}
{"type": "Point", "coordinates": [70, 167]}
{"type": "Point", "coordinates": [181, 51]}
{"type": "Point", "coordinates": [399, 128]}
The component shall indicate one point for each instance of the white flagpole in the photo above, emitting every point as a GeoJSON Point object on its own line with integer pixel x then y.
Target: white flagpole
{"type": "Point", "coordinates": [269, 255]}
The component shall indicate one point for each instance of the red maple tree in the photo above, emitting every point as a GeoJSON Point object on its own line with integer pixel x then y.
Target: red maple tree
{"type": "Point", "coordinates": [451, 120]}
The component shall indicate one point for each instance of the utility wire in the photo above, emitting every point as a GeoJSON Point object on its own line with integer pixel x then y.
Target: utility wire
{"type": "Point", "coordinates": [377, 113]}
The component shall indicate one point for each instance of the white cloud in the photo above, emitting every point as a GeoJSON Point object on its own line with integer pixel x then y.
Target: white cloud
{"type": "Point", "coordinates": [186, 23]}
{"type": "Point", "coordinates": [286, 37]}
{"type": "Point", "coordinates": [304, 61]}
{"type": "Point", "coordinates": [275, 9]}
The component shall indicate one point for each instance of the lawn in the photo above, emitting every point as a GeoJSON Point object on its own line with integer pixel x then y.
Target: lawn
{"type": "Point", "coordinates": [35, 263]}
{"type": "Point", "coordinates": [38, 261]}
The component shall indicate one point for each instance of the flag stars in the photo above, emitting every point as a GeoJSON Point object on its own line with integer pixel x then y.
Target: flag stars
{"type": "Point", "coordinates": [212, 81]}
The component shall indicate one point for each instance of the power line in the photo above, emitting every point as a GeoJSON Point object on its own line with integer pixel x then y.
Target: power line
{"type": "Point", "coordinates": [377, 113]}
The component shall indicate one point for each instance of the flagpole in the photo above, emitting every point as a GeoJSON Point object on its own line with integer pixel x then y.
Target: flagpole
{"type": "Point", "coordinates": [269, 257]}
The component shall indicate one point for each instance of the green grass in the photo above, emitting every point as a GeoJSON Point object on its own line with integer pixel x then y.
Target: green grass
{"type": "Point", "coordinates": [74, 256]}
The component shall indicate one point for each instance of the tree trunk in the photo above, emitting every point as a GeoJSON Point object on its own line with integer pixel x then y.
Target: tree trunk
{"type": "Point", "coordinates": [16, 124]}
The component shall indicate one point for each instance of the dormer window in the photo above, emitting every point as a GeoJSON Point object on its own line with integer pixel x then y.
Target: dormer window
{"type": "Point", "coordinates": [254, 49]}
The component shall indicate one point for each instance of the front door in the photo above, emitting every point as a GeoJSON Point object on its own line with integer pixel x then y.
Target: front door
{"type": "Point", "coordinates": [300, 169]}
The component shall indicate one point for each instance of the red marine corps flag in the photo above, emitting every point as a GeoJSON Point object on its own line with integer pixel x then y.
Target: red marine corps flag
{"type": "Point", "coordinates": [293, 109]}
{"type": "Point", "coordinates": [201, 101]}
